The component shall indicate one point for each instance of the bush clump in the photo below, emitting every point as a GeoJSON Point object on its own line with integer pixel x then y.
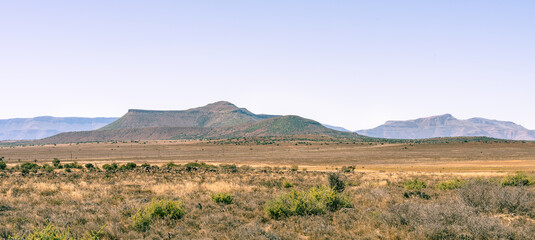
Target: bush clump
{"type": "Point", "coordinates": [414, 184]}
{"type": "Point", "coordinates": [450, 184]}
{"type": "Point", "coordinates": [225, 198]}
{"type": "Point", "coordinates": [314, 201]}
{"type": "Point", "coordinates": [518, 179]}
{"type": "Point", "coordinates": [3, 165]}
{"type": "Point", "coordinates": [337, 182]}
{"type": "Point", "coordinates": [158, 209]}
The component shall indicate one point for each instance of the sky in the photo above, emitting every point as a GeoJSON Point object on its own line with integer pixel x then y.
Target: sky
{"type": "Point", "coordinates": [355, 64]}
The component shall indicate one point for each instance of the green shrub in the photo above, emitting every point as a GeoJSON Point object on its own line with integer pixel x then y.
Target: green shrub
{"type": "Point", "coordinates": [50, 232]}
{"type": "Point", "coordinates": [56, 162]}
{"type": "Point", "coordinates": [229, 168]}
{"type": "Point", "coordinates": [225, 198]}
{"type": "Point", "coordinates": [109, 167]}
{"type": "Point", "coordinates": [414, 184]}
{"type": "Point", "coordinates": [89, 166]}
{"type": "Point", "coordinates": [337, 182]}
{"type": "Point", "coordinates": [518, 179]}
{"type": "Point", "coordinates": [286, 184]}
{"type": "Point", "coordinates": [314, 201]}
{"type": "Point", "coordinates": [450, 184]}
{"type": "Point", "coordinates": [30, 166]}
{"type": "Point", "coordinates": [72, 165]}
{"type": "Point", "coordinates": [3, 165]}
{"type": "Point", "coordinates": [157, 209]}
{"type": "Point", "coordinates": [294, 168]}
{"type": "Point", "coordinates": [128, 166]}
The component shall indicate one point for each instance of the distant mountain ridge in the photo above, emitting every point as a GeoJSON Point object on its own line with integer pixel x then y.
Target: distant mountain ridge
{"type": "Point", "coordinates": [45, 126]}
{"type": "Point", "coordinates": [213, 121]}
{"type": "Point", "coordinates": [447, 125]}
{"type": "Point", "coordinates": [212, 115]}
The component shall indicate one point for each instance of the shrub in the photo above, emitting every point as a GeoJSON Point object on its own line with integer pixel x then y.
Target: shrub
{"type": "Point", "coordinates": [314, 201]}
{"type": "Point", "coordinates": [171, 165]}
{"type": "Point", "coordinates": [286, 184]}
{"type": "Point", "coordinates": [72, 165]}
{"type": "Point", "coordinates": [48, 232]}
{"type": "Point", "coordinates": [229, 168]}
{"type": "Point", "coordinates": [518, 179]}
{"type": "Point", "coordinates": [450, 184]}
{"type": "Point", "coordinates": [225, 198]}
{"type": "Point", "coordinates": [3, 165]}
{"type": "Point", "coordinates": [157, 209]}
{"type": "Point", "coordinates": [490, 197]}
{"type": "Point", "coordinates": [294, 168]}
{"type": "Point", "coordinates": [89, 166]}
{"type": "Point", "coordinates": [56, 162]}
{"type": "Point", "coordinates": [128, 166]}
{"type": "Point", "coordinates": [414, 184]}
{"type": "Point", "coordinates": [337, 182]}
{"type": "Point", "coordinates": [109, 167]}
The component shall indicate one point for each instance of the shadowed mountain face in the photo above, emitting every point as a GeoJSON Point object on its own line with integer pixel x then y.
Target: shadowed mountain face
{"type": "Point", "coordinates": [448, 126]}
{"type": "Point", "coordinates": [41, 127]}
{"type": "Point", "coordinates": [214, 121]}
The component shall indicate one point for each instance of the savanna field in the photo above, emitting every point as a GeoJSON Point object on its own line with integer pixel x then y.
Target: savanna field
{"type": "Point", "coordinates": [286, 190]}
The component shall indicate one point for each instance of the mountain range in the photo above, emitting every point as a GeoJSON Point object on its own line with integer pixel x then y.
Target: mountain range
{"type": "Point", "coordinates": [448, 126]}
{"type": "Point", "coordinates": [225, 120]}
{"type": "Point", "coordinates": [213, 121]}
{"type": "Point", "coordinates": [41, 127]}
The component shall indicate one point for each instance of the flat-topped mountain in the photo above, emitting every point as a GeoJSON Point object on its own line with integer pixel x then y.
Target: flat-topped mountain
{"type": "Point", "coordinates": [212, 115]}
{"type": "Point", "coordinates": [213, 121]}
{"type": "Point", "coordinates": [41, 127]}
{"type": "Point", "coordinates": [448, 126]}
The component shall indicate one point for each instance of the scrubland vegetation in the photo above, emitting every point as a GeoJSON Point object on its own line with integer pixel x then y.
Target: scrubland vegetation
{"type": "Point", "coordinates": [198, 200]}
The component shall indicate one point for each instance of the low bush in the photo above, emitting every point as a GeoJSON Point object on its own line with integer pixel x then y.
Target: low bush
{"type": "Point", "coordinates": [89, 166]}
{"type": "Point", "coordinates": [110, 167]}
{"type": "Point", "coordinates": [449, 220]}
{"type": "Point", "coordinates": [337, 182]}
{"type": "Point", "coordinates": [3, 165]}
{"type": "Point", "coordinates": [128, 166]}
{"type": "Point", "coordinates": [157, 209]}
{"type": "Point", "coordinates": [72, 165]}
{"type": "Point", "coordinates": [225, 198]}
{"type": "Point", "coordinates": [490, 197]}
{"type": "Point", "coordinates": [314, 201]}
{"type": "Point", "coordinates": [450, 184]}
{"type": "Point", "coordinates": [50, 232]}
{"type": "Point", "coordinates": [286, 184]}
{"type": "Point", "coordinates": [414, 184]}
{"type": "Point", "coordinates": [518, 179]}
{"type": "Point", "coordinates": [294, 168]}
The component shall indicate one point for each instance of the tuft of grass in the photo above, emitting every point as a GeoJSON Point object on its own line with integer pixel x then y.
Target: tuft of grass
{"type": "Point", "coordinates": [518, 179]}
{"type": "Point", "coordinates": [157, 209]}
{"type": "Point", "coordinates": [287, 184]}
{"type": "Point", "coordinates": [314, 201]}
{"type": "Point", "coordinates": [414, 184]}
{"type": "Point", "coordinates": [450, 184]}
{"type": "Point", "coordinates": [225, 198]}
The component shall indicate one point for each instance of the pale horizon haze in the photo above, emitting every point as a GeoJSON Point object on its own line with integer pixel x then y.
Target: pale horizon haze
{"type": "Point", "coordinates": [355, 64]}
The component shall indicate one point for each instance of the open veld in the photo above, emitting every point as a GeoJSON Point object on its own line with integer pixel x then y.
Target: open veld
{"type": "Point", "coordinates": [269, 189]}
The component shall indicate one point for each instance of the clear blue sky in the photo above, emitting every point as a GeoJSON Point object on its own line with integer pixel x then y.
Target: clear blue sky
{"type": "Point", "coordinates": [354, 64]}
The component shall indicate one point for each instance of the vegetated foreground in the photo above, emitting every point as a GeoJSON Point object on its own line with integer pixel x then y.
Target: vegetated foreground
{"type": "Point", "coordinates": [267, 189]}
{"type": "Point", "coordinates": [202, 201]}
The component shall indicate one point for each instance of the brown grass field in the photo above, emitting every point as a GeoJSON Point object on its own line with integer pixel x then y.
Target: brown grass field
{"type": "Point", "coordinates": [392, 191]}
{"type": "Point", "coordinates": [313, 155]}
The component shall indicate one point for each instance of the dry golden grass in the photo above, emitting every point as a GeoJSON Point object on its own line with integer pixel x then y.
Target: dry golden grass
{"type": "Point", "coordinates": [452, 157]}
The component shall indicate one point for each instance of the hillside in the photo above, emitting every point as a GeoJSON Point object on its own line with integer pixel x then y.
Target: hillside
{"type": "Point", "coordinates": [277, 126]}
{"type": "Point", "coordinates": [210, 116]}
{"type": "Point", "coordinates": [41, 127]}
{"type": "Point", "coordinates": [448, 126]}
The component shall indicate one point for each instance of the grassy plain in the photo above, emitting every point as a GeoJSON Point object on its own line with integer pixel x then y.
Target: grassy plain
{"type": "Point", "coordinates": [395, 191]}
{"type": "Point", "coordinates": [313, 155]}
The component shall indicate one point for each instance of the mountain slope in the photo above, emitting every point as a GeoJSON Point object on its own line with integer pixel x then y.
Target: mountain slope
{"type": "Point", "coordinates": [212, 115]}
{"type": "Point", "coordinates": [277, 126]}
{"type": "Point", "coordinates": [448, 126]}
{"type": "Point", "coordinates": [41, 127]}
